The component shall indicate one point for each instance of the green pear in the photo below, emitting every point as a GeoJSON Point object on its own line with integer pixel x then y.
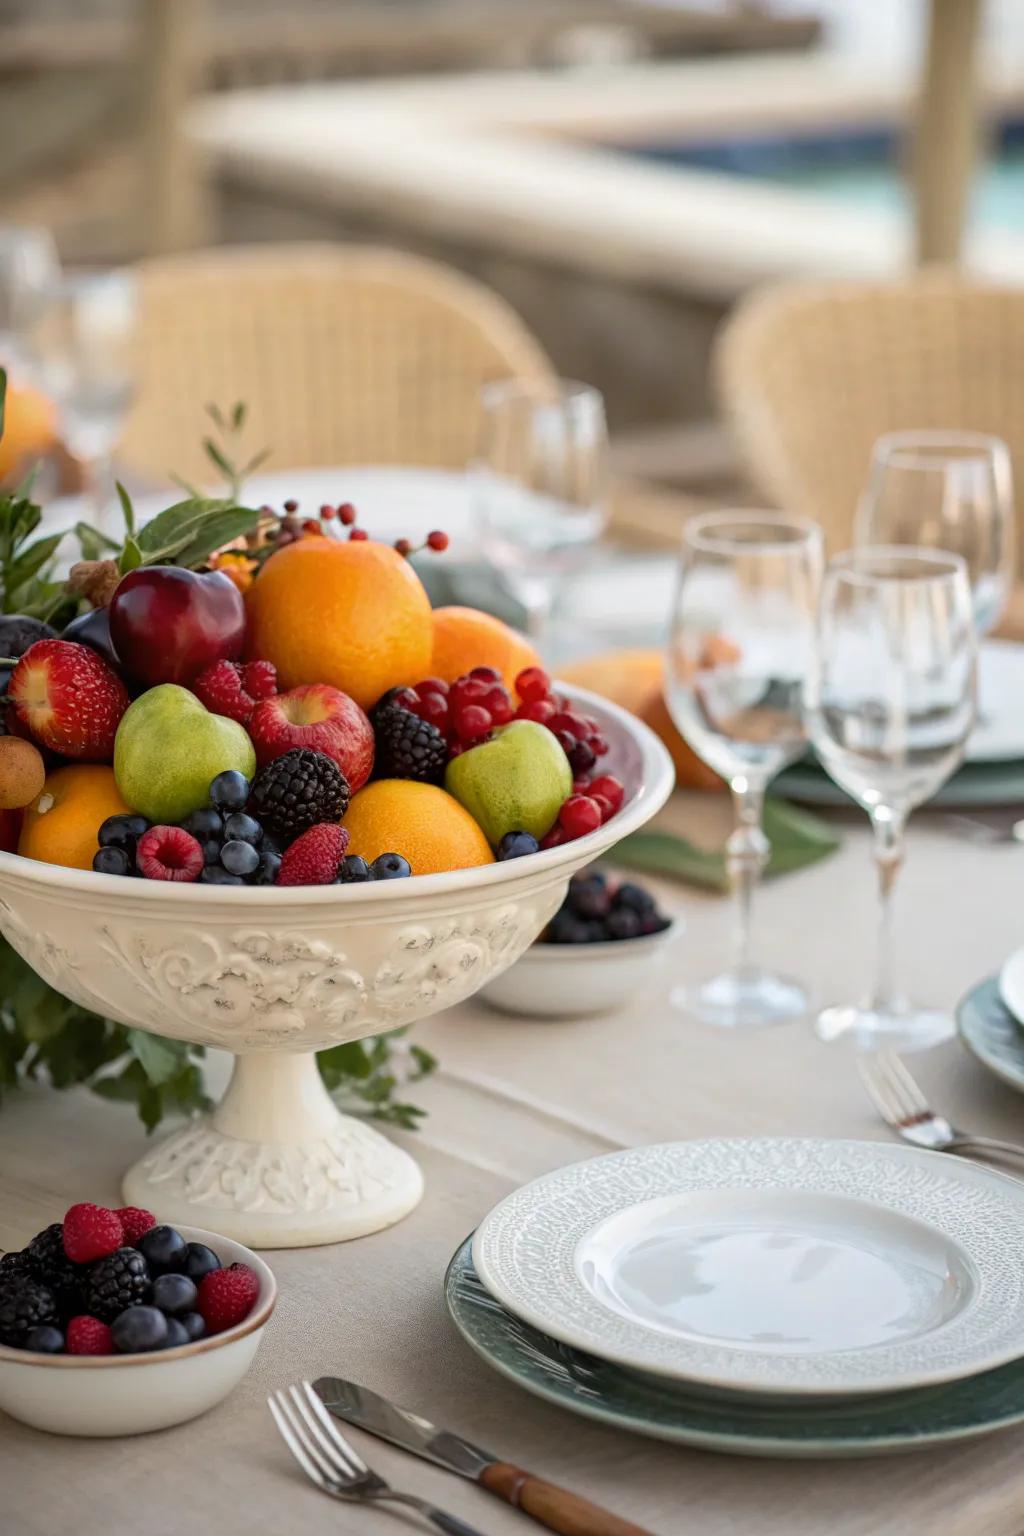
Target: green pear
{"type": "Point", "coordinates": [514, 783]}
{"type": "Point", "coordinates": [169, 747]}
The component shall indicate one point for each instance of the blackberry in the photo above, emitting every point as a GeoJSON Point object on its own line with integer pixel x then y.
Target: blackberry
{"type": "Point", "coordinates": [16, 1266]}
{"type": "Point", "coordinates": [24, 1304]}
{"type": "Point", "coordinates": [296, 791]}
{"type": "Point", "coordinates": [55, 1270]}
{"type": "Point", "coordinates": [119, 1281]}
{"type": "Point", "coordinates": [408, 747]}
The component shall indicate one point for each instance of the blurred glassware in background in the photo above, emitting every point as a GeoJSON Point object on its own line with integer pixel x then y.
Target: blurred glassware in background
{"type": "Point", "coordinates": [83, 350]}
{"type": "Point", "coordinates": [890, 702]}
{"type": "Point", "coordinates": [540, 486]}
{"type": "Point", "coordinates": [947, 491]}
{"type": "Point", "coordinates": [29, 277]}
{"type": "Point", "coordinates": [739, 646]}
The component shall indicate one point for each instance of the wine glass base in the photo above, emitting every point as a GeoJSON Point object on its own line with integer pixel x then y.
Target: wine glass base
{"type": "Point", "coordinates": [903, 1028]}
{"type": "Point", "coordinates": [749, 999]}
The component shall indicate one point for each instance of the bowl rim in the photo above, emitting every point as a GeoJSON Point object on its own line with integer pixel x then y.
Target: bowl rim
{"type": "Point", "coordinates": [657, 782]}
{"type": "Point", "coordinates": [605, 949]}
{"type": "Point", "coordinates": [257, 1318]}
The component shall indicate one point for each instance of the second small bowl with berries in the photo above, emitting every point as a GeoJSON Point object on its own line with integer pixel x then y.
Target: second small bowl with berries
{"type": "Point", "coordinates": [114, 1324]}
{"type": "Point", "coordinates": [604, 945]}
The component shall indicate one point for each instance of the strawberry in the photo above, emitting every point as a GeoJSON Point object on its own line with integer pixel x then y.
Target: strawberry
{"type": "Point", "coordinates": [134, 1221]}
{"type": "Point", "coordinates": [91, 1232]}
{"type": "Point", "coordinates": [68, 699]}
{"type": "Point", "coordinates": [313, 858]}
{"type": "Point", "coordinates": [226, 688]}
{"type": "Point", "coordinates": [320, 718]}
{"type": "Point", "coordinates": [227, 1296]}
{"type": "Point", "coordinates": [86, 1335]}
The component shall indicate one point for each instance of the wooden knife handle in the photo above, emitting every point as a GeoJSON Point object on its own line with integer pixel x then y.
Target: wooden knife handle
{"type": "Point", "coordinates": [560, 1511]}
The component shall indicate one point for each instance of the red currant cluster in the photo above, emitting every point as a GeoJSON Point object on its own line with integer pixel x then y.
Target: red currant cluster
{"type": "Point", "coordinates": [466, 711]}
{"type": "Point", "coordinates": [292, 526]}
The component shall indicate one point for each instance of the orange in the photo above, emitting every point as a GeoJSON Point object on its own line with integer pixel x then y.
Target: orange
{"type": "Point", "coordinates": [29, 430]}
{"type": "Point", "coordinates": [633, 679]}
{"type": "Point", "coordinates": [419, 821]}
{"type": "Point", "coordinates": [61, 824]}
{"type": "Point", "coordinates": [465, 638]}
{"type": "Point", "coordinates": [354, 615]}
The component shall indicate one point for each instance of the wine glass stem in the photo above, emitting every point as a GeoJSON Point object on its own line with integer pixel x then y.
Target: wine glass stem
{"type": "Point", "coordinates": [888, 826]}
{"type": "Point", "coordinates": [746, 854]}
{"type": "Point", "coordinates": [537, 596]}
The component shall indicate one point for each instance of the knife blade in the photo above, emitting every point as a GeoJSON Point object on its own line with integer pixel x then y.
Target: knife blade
{"type": "Point", "coordinates": [557, 1509]}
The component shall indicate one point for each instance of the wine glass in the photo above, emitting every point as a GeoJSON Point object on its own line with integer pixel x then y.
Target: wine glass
{"type": "Point", "coordinates": [741, 633]}
{"type": "Point", "coordinates": [541, 485]}
{"type": "Point", "coordinates": [84, 350]}
{"type": "Point", "coordinates": [890, 701]}
{"type": "Point", "coordinates": [29, 275]}
{"type": "Point", "coordinates": [949, 491]}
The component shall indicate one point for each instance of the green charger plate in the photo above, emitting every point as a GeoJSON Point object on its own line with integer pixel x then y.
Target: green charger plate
{"type": "Point", "coordinates": [740, 1426]}
{"type": "Point", "coordinates": [974, 784]}
{"type": "Point", "coordinates": [990, 1032]}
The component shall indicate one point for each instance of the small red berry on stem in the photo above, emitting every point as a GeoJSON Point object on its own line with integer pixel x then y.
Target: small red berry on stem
{"type": "Point", "coordinates": [403, 546]}
{"type": "Point", "coordinates": [347, 513]}
{"type": "Point", "coordinates": [326, 511]}
{"type": "Point", "coordinates": [438, 540]}
{"type": "Point", "coordinates": [472, 721]}
{"type": "Point", "coordinates": [579, 815]}
{"type": "Point", "coordinates": [311, 525]}
{"type": "Point", "coordinates": [358, 533]}
{"type": "Point", "coordinates": [610, 789]}
{"type": "Point", "coordinates": [533, 684]}
{"type": "Point", "coordinates": [291, 505]}
{"type": "Point", "coordinates": [541, 710]}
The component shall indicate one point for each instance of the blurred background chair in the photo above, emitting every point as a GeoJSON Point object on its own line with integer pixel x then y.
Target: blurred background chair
{"type": "Point", "coordinates": [343, 355]}
{"type": "Point", "coordinates": [811, 374]}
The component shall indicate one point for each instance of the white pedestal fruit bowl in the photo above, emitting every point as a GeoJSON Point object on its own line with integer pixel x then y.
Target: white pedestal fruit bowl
{"type": "Point", "coordinates": [274, 975]}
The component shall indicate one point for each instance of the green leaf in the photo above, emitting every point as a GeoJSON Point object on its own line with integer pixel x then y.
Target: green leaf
{"type": "Point", "coordinates": [214, 453]}
{"type": "Point", "coordinates": [131, 556]}
{"type": "Point", "coordinates": [160, 1059]}
{"type": "Point", "coordinates": [127, 510]}
{"type": "Point", "coordinates": [220, 528]}
{"type": "Point", "coordinates": [174, 529]}
{"type": "Point", "coordinates": [214, 413]}
{"type": "Point", "coordinates": [94, 544]}
{"type": "Point", "coordinates": [255, 462]}
{"type": "Point", "coordinates": [30, 562]}
{"type": "Point", "coordinates": [238, 415]}
{"type": "Point", "coordinates": [26, 519]}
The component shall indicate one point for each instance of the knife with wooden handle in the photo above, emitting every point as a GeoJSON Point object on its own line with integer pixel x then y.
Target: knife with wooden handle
{"type": "Point", "coordinates": [560, 1511]}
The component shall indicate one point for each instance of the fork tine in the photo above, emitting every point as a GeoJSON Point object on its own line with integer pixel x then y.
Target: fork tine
{"type": "Point", "coordinates": [294, 1444]}
{"type": "Point", "coordinates": [328, 1451]}
{"type": "Point", "coordinates": [878, 1090]}
{"type": "Point", "coordinates": [910, 1085]}
{"type": "Point", "coordinates": [332, 1430]}
{"type": "Point", "coordinates": [893, 1085]}
{"type": "Point", "coordinates": [328, 1472]}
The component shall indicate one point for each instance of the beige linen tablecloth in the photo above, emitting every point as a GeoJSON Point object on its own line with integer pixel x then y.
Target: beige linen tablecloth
{"type": "Point", "coordinates": [512, 1099]}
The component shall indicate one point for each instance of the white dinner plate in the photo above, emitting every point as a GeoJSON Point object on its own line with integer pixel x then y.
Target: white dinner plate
{"type": "Point", "coordinates": [1011, 984]}
{"type": "Point", "coordinates": [999, 735]}
{"type": "Point", "coordinates": [769, 1266]}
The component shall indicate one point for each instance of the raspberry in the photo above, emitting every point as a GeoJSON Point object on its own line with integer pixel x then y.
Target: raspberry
{"type": "Point", "coordinates": [610, 789]}
{"type": "Point", "coordinates": [91, 1232]}
{"type": "Point", "coordinates": [88, 1336]}
{"type": "Point", "coordinates": [227, 1296]}
{"type": "Point", "coordinates": [220, 688]}
{"type": "Point", "coordinates": [169, 853]}
{"type": "Point", "coordinates": [579, 815]}
{"type": "Point", "coordinates": [134, 1221]}
{"type": "Point", "coordinates": [313, 858]}
{"type": "Point", "coordinates": [533, 684]}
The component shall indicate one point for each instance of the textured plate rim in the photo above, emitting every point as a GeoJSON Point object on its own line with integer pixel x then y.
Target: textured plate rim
{"type": "Point", "coordinates": [977, 1048]}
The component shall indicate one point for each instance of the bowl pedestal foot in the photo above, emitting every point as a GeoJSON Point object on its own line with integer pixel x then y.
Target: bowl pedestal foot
{"type": "Point", "coordinates": [277, 1165]}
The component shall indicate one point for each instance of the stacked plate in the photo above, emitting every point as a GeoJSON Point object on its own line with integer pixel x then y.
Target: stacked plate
{"type": "Point", "coordinates": [993, 768]}
{"type": "Point", "coordinates": [764, 1297]}
{"type": "Point", "coordinates": [991, 1022]}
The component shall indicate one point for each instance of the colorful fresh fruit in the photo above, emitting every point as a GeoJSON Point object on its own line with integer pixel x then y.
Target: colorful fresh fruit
{"type": "Point", "coordinates": [407, 745]}
{"type": "Point", "coordinates": [578, 816]}
{"type": "Point", "coordinates": [113, 861]}
{"type": "Point", "coordinates": [168, 624]}
{"type": "Point", "coordinates": [18, 632]}
{"type": "Point", "coordinates": [390, 866]}
{"type": "Point", "coordinates": [315, 857]}
{"type": "Point", "coordinates": [123, 832]}
{"type": "Point", "coordinates": [199, 1261]}
{"type": "Point", "coordinates": [91, 628]}
{"type": "Point", "coordinates": [174, 1294]}
{"type": "Point", "coordinates": [296, 791]}
{"type": "Point", "coordinates": [24, 1304]}
{"type": "Point", "coordinates": [516, 782]}
{"type": "Point", "coordinates": [45, 1340]}
{"type": "Point", "coordinates": [516, 845]}
{"type": "Point", "coordinates": [30, 431]}
{"type": "Point", "coordinates": [91, 1232]}
{"type": "Point", "coordinates": [68, 699]}
{"type": "Point", "coordinates": [134, 1221]}
{"type": "Point", "coordinates": [170, 853]}
{"type": "Point", "coordinates": [353, 870]}
{"type": "Point", "coordinates": [60, 826]}
{"type": "Point", "coordinates": [118, 1281]}
{"type": "Point", "coordinates": [168, 749]}
{"type": "Point", "coordinates": [595, 911]}
{"type": "Point", "coordinates": [138, 1330]}
{"type": "Point", "coordinates": [466, 637]}
{"type": "Point", "coordinates": [163, 1248]}
{"type": "Point", "coordinates": [354, 615]}
{"type": "Point", "coordinates": [430, 827]}
{"type": "Point", "coordinates": [226, 688]}
{"type": "Point", "coordinates": [227, 1296]}
{"type": "Point", "coordinates": [88, 1336]}
{"type": "Point", "coordinates": [229, 791]}
{"type": "Point", "coordinates": [22, 772]}
{"type": "Point", "coordinates": [318, 717]}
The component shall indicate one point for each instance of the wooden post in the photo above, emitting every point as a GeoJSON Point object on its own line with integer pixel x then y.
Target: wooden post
{"type": "Point", "coordinates": [173, 202]}
{"type": "Point", "coordinates": [947, 129]}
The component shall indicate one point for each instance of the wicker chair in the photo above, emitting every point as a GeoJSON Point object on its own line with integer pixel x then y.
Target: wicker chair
{"type": "Point", "coordinates": [343, 355]}
{"type": "Point", "coordinates": [812, 374]}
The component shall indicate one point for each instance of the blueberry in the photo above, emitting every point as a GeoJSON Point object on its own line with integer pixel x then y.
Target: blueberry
{"type": "Point", "coordinates": [139, 1329]}
{"type": "Point", "coordinates": [245, 828]}
{"type": "Point", "coordinates": [211, 850]}
{"type": "Point", "coordinates": [44, 1340]}
{"type": "Point", "coordinates": [239, 858]}
{"type": "Point", "coordinates": [390, 866]}
{"type": "Point", "coordinates": [566, 929]}
{"type": "Point", "coordinates": [122, 831]}
{"type": "Point", "coordinates": [112, 861]}
{"type": "Point", "coordinates": [590, 901]}
{"type": "Point", "coordinates": [516, 845]}
{"type": "Point", "coordinates": [230, 790]}
{"type": "Point", "coordinates": [353, 870]}
{"type": "Point", "coordinates": [193, 1325]}
{"type": "Point", "coordinates": [633, 898]}
{"type": "Point", "coordinates": [163, 1248]}
{"type": "Point", "coordinates": [269, 865]}
{"type": "Point", "coordinates": [177, 1334]}
{"type": "Point", "coordinates": [174, 1293]}
{"type": "Point", "coordinates": [199, 1262]}
{"type": "Point", "coordinates": [624, 923]}
{"type": "Point", "coordinates": [214, 875]}
{"type": "Point", "coordinates": [205, 823]}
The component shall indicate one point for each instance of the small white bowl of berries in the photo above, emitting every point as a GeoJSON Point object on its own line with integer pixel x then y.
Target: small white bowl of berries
{"type": "Point", "coordinates": [112, 1323]}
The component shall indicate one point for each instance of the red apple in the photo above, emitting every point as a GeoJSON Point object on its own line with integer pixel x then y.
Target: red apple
{"type": "Point", "coordinates": [168, 624]}
{"type": "Point", "coordinates": [318, 717]}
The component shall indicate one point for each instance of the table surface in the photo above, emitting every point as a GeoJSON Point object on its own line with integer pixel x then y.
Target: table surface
{"type": "Point", "coordinates": [512, 1099]}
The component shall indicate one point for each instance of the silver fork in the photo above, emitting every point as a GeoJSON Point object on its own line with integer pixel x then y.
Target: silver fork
{"type": "Point", "coordinates": [328, 1459]}
{"type": "Point", "coordinates": [902, 1104]}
